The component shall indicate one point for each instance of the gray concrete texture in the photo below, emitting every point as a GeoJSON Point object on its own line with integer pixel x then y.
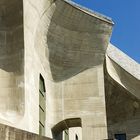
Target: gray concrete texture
{"type": "Point", "coordinates": [122, 85]}
{"type": "Point", "coordinates": [11, 133]}
{"type": "Point", "coordinates": [11, 61]}
{"type": "Point", "coordinates": [70, 57]}
{"type": "Point", "coordinates": [67, 45]}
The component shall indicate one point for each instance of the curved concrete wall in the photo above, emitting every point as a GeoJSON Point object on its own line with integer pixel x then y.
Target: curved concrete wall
{"type": "Point", "coordinates": [71, 47]}
{"type": "Point", "coordinates": [64, 43]}
{"type": "Point", "coordinates": [122, 85]}
{"type": "Point", "coordinates": [67, 46]}
{"type": "Point", "coordinates": [123, 70]}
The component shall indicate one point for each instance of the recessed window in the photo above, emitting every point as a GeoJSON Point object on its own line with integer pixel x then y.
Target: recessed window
{"type": "Point", "coordinates": [76, 137]}
{"type": "Point", "coordinates": [66, 134]}
{"type": "Point", "coordinates": [120, 136]}
{"type": "Point", "coordinates": [42, 106]}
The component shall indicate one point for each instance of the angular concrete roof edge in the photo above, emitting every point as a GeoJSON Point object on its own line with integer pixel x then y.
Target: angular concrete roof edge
{"type": "Point", "coordinates": [90, 12]}
{"type": "Point", "coordinates": [124, 61]}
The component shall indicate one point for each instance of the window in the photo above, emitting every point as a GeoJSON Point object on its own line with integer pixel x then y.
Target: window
{"type": "Point", "coordinates": [66, 134]}
{"type": "Point", "coordinates": [120, 136]}
{"type": "Point", "coordinates": [42, 106]}
{"type": "Point", "coordinates": [76, 137]}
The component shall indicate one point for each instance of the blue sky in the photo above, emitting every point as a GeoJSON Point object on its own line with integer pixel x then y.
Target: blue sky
{"type": "Point", "coordinates": [126, 16]}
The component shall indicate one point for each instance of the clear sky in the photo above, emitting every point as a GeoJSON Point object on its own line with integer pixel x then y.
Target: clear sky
{"type": "Point", "coordinates": [126, 16]}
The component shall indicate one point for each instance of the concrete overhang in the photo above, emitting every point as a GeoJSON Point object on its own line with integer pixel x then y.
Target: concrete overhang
{"type": "Point", "coordinates": [123, 70]}
{"type": "Point", "coordinates": [76, 39]}
{"type": "Point", "coordinates": [90, 12]}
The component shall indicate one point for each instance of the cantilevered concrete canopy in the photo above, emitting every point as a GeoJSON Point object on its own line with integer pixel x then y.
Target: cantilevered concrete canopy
{"type": "Point", "coordinates": [75, 39]}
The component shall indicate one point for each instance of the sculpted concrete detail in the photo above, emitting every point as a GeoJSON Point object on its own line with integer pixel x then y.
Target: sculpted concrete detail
{"type": "Point", "coordinates": [122, 85]}
{"type": "Point", "coordinates": [71, 47]}
{"type": "Point", "coordinates": [67, 45]}
{"type": "Point", "coordinates": [123, 70]}
{"type": "Point", "coordinates": [70, 57]}
{"type": "Point", "coordinates": [66, 124]}
{"type": "Point", "coordinates": [123, 110]}
{"type": "Point", "coordinates": [124, 61]}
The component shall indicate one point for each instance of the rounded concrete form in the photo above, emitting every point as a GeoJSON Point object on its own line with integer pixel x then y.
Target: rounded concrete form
{"type": "Point", "coordinates": [67, 45]}
{"type": "Point", "coordinates": [73, 39]}
{"type": "Point", "coordinates": [123, 70]}
{"type": "Point", "coordinates": [122, 86]}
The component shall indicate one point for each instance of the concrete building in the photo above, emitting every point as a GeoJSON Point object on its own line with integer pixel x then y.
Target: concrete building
{"type": "Point", "coordinates": [61, 78]}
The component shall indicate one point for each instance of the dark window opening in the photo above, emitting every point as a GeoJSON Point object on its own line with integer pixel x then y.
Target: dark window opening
{"type": "Point", "coordinates": [76, 137]}
{"type": "Point", "coordinates": [120, 136]}
{"type": "Point", "coordinates": [42, 106]}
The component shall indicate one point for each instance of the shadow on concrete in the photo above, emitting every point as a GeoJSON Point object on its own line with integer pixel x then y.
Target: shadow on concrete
{"type": "Point", "coordinates": [75, 41]}
{"type": "Point", "coordinates": [11, 36]}
{"type": "Point", "coordinates": [11, 59]}
{"type": "Point", "coordinates": [123, 109]}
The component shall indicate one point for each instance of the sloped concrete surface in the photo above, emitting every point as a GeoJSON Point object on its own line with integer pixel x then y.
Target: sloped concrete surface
{"type": "Point", "coordinates": [123, 70]}
{"type": "Point", "coordinates": [122, 86]}
{"type": "Point", "coordinates": [124, 61]}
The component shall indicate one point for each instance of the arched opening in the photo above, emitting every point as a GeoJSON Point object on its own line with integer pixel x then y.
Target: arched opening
{"type": "Point", "coordinates": [68, 129]}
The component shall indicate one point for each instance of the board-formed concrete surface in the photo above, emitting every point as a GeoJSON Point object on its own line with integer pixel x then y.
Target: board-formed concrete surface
{"type": "Point", "coordinates": [67, 44]}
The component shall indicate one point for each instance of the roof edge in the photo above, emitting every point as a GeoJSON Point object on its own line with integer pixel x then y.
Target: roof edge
{"type": "Point", "coordinates": [90, 12]}
{"type": "Point", "coordinates": [124, 61]}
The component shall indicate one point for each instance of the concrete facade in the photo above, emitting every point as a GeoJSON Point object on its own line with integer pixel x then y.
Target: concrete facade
{"type": "Point", "coordinates": [66, 44]}
{"type": "Point", "coordinates": [122, 84]}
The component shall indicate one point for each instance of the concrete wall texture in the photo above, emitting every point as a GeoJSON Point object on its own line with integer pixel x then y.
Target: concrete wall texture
{"type": "Point", "coordinates": [88, 89]}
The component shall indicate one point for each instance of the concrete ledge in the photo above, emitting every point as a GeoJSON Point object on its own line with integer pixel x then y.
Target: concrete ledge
{"type": "Point", "coordinates": [7, 132]}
